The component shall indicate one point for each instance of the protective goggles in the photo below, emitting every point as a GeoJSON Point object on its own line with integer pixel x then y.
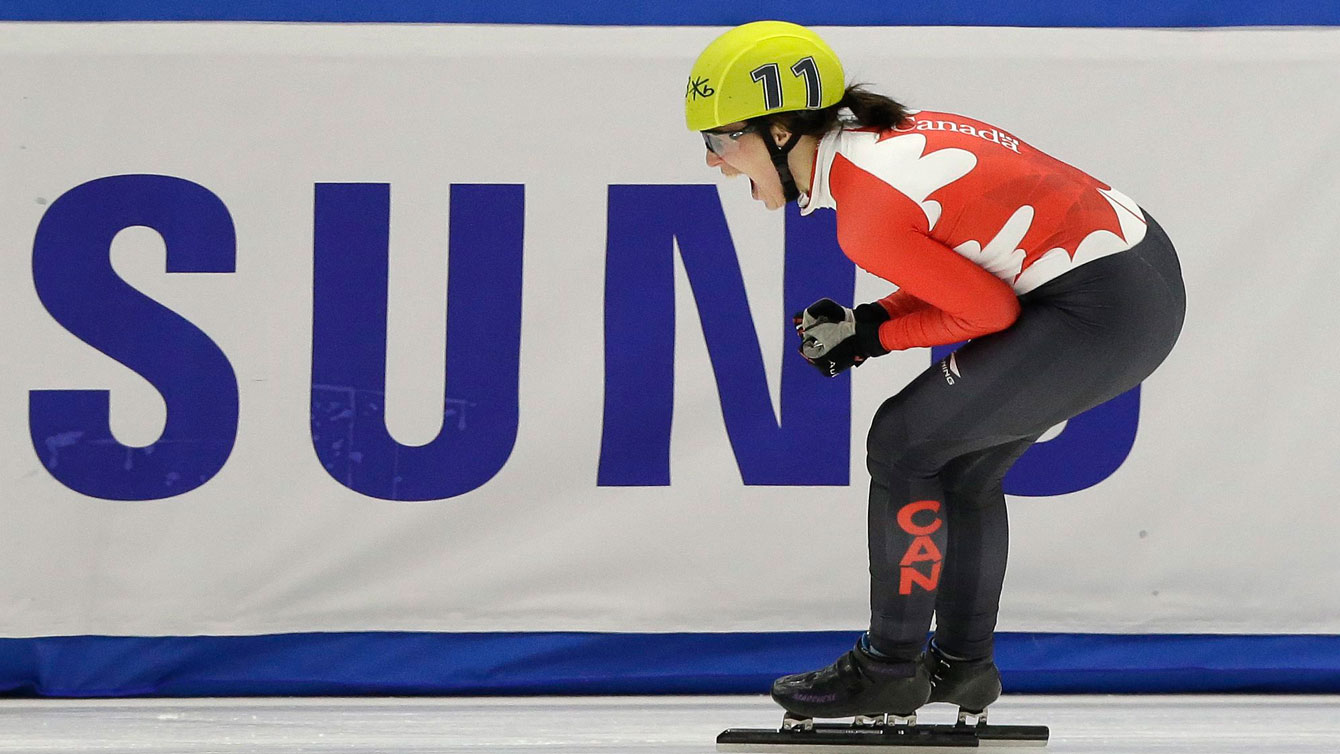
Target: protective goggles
{"type": "Point", "coordinates": [723, 143]}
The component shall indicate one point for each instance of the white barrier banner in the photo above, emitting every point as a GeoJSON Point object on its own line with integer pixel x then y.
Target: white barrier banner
{"type": "Point", "coordinates": [236, 258]}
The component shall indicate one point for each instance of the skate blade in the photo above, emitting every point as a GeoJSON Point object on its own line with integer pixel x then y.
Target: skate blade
{"type": "Point", "coordinates": [829, 737]}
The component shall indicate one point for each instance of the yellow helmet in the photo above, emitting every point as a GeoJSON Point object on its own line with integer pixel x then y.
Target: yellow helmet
{"type": "Point", "coordinates": [761, 68]}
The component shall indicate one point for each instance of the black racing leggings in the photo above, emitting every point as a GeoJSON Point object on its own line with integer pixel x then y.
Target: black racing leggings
{"type": "Point", "coordinates": [938, 450]}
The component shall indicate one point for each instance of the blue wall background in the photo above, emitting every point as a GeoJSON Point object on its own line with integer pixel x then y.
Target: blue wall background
{"type": "Point", "coordinates": [1051, 13]}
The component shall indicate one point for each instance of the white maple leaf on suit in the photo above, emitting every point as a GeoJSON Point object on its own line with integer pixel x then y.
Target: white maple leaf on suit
{"type": "Point", "coordinates": [1100, 243]}
{"type": "Point", "coordinates": [1002, 256]}
{"type": "Point", "coordinates": [902, 163]}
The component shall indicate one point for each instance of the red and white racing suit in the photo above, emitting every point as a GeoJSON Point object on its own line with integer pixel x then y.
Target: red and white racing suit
{"type": "Point", "coordinates": [1070, 295]}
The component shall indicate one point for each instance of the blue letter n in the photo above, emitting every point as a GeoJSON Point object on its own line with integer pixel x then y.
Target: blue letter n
{"type": "Point", "coordinates": [810, 444]}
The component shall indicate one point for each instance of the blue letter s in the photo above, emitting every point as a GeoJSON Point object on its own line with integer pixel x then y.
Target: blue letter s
{"type": "Point", "coordinates": [73, 275]}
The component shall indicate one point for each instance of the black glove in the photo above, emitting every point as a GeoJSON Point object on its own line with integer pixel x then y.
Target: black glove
{"type": "Point", "coordinates": [834, 338]}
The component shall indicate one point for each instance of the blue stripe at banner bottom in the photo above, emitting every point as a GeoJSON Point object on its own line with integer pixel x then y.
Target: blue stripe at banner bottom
{"type": "Point", "coordinates": [387, 663]}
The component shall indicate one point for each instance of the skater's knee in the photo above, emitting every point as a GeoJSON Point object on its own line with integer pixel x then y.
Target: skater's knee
{"type": "Point", "coordinates": [973, 494]}
{"type": "Point", "coordinates": [901, 461]}
{"type": "Point", "coordinates": [894, 446]}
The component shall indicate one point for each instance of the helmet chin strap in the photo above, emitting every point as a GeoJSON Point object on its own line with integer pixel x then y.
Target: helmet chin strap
{"type": "Point", "coordinates": [779, 153]}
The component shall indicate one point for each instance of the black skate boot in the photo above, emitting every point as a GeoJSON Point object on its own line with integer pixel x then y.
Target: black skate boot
{"type": "Point", "coordinates": [858, 685]}
{"type": "Point", "coordinates": [971, 684]}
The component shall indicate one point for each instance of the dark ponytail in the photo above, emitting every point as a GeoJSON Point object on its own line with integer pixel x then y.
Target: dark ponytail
{"type": "Point", "coordinates": [873, 109]}
{"type": "Point", "coordinates": [869, 109]}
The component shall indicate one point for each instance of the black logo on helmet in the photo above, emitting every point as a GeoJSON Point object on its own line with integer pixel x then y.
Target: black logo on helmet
{"type": "Point", "coordinates": [698, 88]}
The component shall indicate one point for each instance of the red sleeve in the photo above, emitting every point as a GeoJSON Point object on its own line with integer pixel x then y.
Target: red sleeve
{"type": "Point", "coordinates": [886, 233]}
{"type": "Point", "coordinates": [901, 302]}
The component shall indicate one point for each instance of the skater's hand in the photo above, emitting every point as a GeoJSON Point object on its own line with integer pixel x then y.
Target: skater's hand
{"type": "Point", "coordinates": [834, 338]}
{"type": "Point", "coordinates": [822, 326]}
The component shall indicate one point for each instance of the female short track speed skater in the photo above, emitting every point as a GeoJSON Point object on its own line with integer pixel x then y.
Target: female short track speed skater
{"type": "Point", "coordinates": [1068, 292]}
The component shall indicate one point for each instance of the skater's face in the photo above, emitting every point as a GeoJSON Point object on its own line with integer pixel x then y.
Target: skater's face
{"type": "Point", "coordinates": [739, 149]}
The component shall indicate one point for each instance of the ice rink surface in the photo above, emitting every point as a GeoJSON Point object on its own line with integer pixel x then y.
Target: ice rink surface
{"type": "Point", "coordinates": [635, 725]}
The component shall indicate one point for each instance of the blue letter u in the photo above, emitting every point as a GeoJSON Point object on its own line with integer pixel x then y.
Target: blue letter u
{"type": "Point", "coordinates": [352, 229]}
